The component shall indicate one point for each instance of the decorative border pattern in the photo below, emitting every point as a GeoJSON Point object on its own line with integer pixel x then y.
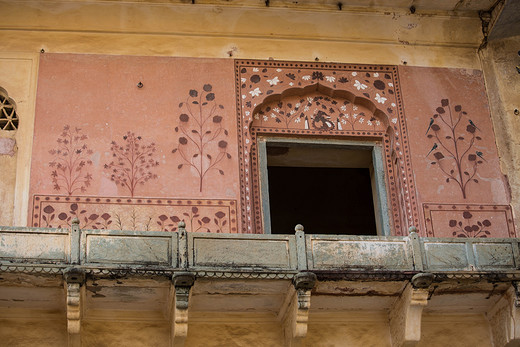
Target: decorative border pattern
{"type": "Point", "coordinates": [472, 208]}
{"type": "Point", "coordinates": [253, 88]}
{"type": "Point", "coordinates": [227, 212]}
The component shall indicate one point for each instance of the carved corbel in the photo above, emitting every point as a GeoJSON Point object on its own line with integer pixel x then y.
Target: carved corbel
{"type": "Point", "coordinates": [74, 287]}
{"type": "Point", "coordinates": [179, 303]}
{"type": "Point", "coordinates": [504, 318]}
{"type": "Point", "coordinates": [406, 315]}
{"type": "Point", "coordinates": [297, 305]}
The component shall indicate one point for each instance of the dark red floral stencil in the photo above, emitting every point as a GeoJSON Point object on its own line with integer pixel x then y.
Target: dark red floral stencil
{"type": "Point", "coordinates": [132, 162]}
{"type": "Point", "coordinates": [216, 216]}
{"type": "Point", "coordinates": [454, 137]}
{"type": "Point", "coordinates": [467, 227]}
{"type": "Point", "coordinates": [71, 160]}
{"type": "Point", "coordinates": [271, 97]}
{"type": "Point", "coordinates": [202, 143]}
{"type": "Point", "coordinates": [468, 220]}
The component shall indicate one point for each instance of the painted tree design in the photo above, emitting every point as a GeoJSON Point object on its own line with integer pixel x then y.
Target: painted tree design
{"type": "Point", "coordinates": [70, 162]}
{"type": "Point", "coordinates": [202, 145]}
{"type": "Point", "coordinates": [132, 163]}
{"type": "Point", "coordinates": [454, 147]}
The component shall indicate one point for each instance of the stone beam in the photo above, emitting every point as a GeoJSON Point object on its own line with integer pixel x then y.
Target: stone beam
{"type": "Point", "coordinates": [406, 314]}
{"type": "Point", "coordinates": [179, 303]}
{"type": "Point", "coordinates": [504, 318]}
{"type": "Point", "coordinates": [74, 289]}
{"type": "Point", "coordinates": [295, 311]}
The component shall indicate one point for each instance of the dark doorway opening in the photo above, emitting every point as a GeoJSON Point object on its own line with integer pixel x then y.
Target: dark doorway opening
{"type": "Point", "coordinates": [325, 194]}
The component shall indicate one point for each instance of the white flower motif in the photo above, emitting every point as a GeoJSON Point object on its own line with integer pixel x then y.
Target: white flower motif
{"type": "Point", "coordinates": [278, 70]}
{"type": "Point", "coordinates": [274, 81]}
{"type": "Point", "coordinates": [354, 73]}
{"type": "Point", "coordinates": [343, 121]}
{"type": "Point", "coordinates": [297, 105]}
{"type": "Point", "coordinates": [255, 69]}
{"type": "Point", "coordinates": [393, 105]}
{"type": "Point", "coordinates": [369, 122]}
{"type": "Point", "coordinates": [291, 84]}
{"type": "Point", "coordinates": [330, 78]}
{"type": "Point", "coordinates": [390, 84]}
{"type": "Point", "coordinates": [309, 99]}
{"type": "Point", "coordinates": [347, 116]}
{"type": "Point", "coordinates": [255, 92]}
{"type": "Point", "coordinates": [378, 122]}
{"type": "Point", "coordinates": [306, 77]}
{"type": "Point", "coordinates": [306, 108]}
{"type": "Point", "coordinates": [243, 80]}
{"type": "Point", "coordinates": [394, 120]}
{"type": "Point", "coordinates": [276, 109]}
{"type": "Point", "coordinates": [297, 120]}
{"type": "Point", "coordinates": [248, 113]}
{"type": "Point", "coordinates": [243, 96]}
{"type": "Point", "coordinates": [256, 116]}
{"type": "Point", "coordinates": [380, 99]}
{"type": "Point", "coordinates": [376, 74]}
{"type": "Point", "coordinates": [343, 108]}
{"type": "Point", "coordinates": [355, 108]}
{"type": "Point", "coordinates": [355, 115]}
{"type": "Point", "coordinates": [273, 115]}
{"type": "Point", "coordinates": [361, 120]}
{"type": "Point", "coordinates": [359, 85]}
{"type": "Point", "coordinates": [292, 112]}
{"type": "Point", "coordinates": [265, 118]}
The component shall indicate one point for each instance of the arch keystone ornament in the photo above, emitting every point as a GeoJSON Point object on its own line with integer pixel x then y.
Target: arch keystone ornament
{"type": "Point", "coordinates": [339, 101]}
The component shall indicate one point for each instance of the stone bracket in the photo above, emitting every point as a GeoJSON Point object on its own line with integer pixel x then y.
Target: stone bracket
{"type": "Point", "coordinates": [295, 312]}
{"type": "Point", "coordinates": [406, 315]}
{"type": "Point", "coordinates": [74, 288]}
{"type": "Point", "coordinates": [180, 289]}
{"type": "Point", "coordinates": [504, 318]}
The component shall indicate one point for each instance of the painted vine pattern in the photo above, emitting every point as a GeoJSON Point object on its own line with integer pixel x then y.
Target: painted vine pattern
{"type": "Point", "coordinates": [453, 150]}
{"type": "Point", "coordinates": [467, 228]}
{"type": "Point", "coordinates": [194, 221]}
{"type": "Point", "coordinates": [71, 160]}
{"type": "Point", "coordinates": [132, 163]}
{"type": "Point", "coordinates": [201, 143]}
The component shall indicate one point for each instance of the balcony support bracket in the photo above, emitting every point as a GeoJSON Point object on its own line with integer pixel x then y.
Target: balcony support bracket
{"type": "Point", "coordinates": [504, 318]}
{"type": "Point", "coordinates": [295, 311]}
{"type": "Point", "coordinates": [180, 290]}
{"type": "Point", "coordinates": [406, 314]}
{"type": "Point", "coordinates": [74, 289]}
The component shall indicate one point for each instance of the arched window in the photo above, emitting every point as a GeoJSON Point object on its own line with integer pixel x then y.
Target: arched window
{"type": "Point", "coordinates": [8, 117]}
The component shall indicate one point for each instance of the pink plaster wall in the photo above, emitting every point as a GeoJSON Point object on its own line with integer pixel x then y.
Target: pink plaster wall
{"type": "Point", "coordinates": [191, 129]}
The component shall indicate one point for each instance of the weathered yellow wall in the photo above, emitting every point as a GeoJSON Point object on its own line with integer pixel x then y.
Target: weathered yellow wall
{"type": "Point", "coordinates": [499, 59]}
{"type": "Point", "coordinates": [437, 330]}
{"type": "Point", "coordinates": [18, 73]}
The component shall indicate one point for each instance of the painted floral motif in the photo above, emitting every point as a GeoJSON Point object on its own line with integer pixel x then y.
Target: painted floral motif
{"type": "Point", "coordinates": [201, 144]}
{"type": "Point", "coordinates": [132, 162]}
{"type": "Point", "coordinates": [71, 161]}
{"type": "Point", "coordinates": [136, 214]}
{"type": "Point", "coordinates": [316, 112]}
{"type": "Point", "coordinates": [194, 221]}
{"type": "Point", "coordinates": [453, 150]}
{"type": "Point", "coordinates": [467, 228]}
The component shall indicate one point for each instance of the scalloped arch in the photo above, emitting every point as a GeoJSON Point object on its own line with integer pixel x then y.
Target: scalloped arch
{"type": "Point", "coordinates": [326, 91]}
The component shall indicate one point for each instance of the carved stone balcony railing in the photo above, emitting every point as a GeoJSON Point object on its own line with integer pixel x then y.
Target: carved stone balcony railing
{"type": "Point", "coordinates": [28, 249]}
{"type": "Point", "coordinates": [270, 276]}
